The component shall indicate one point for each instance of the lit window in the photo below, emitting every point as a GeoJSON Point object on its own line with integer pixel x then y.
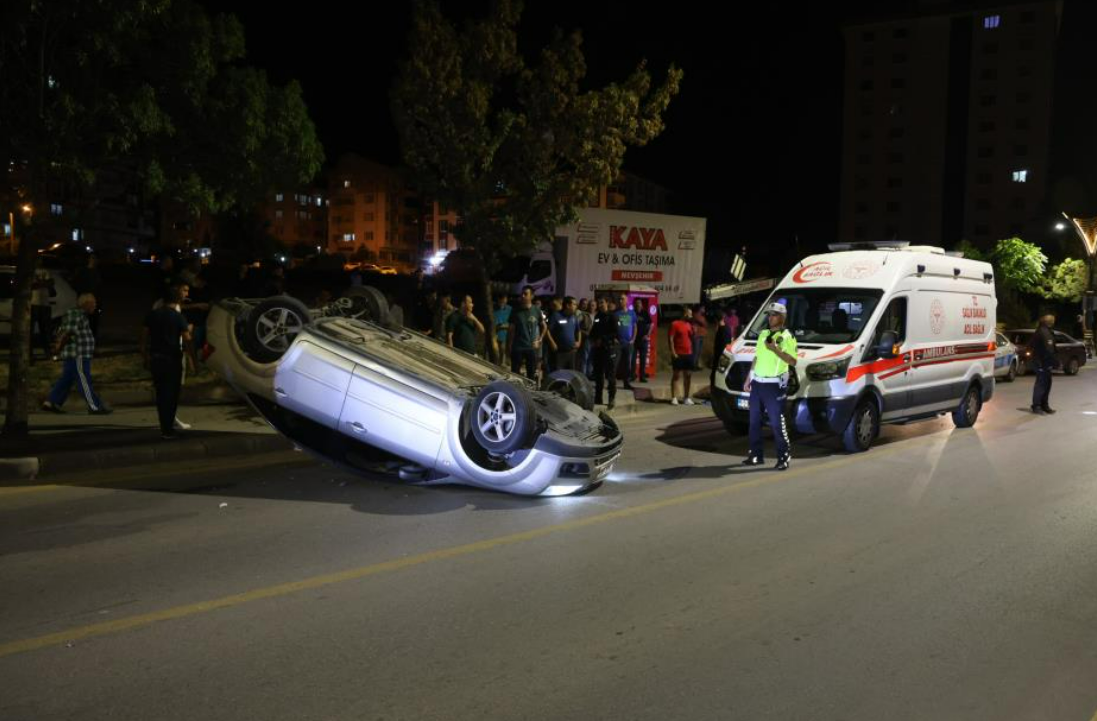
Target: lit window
{"type": "Point", "coordinates": [278, 197]}
{"type": "Point", "coordinates": [991, 22]}
{"type": "Point", "coordinates": [1020, 176]}
{"type": "Point", "coordinates": [346, 183]}
{"type": "Point", "coordinates": [77, 234]}
{"type": "Point", "coordinates": [7, 229]}
{"type": "Point", "coordinates": [51, 82]}
{"type": "Point", "coordinates": [278, 214]}
{"type": "Point", "coordinates": [319, 201]}
{"type": "Point", "coordinates": [348, 237]}
{"type": "Point", "coordinates": [56, 209]}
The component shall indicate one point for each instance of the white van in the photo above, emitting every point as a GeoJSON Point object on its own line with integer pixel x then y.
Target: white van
{"type": "Point", "coordinates": [886, 333]}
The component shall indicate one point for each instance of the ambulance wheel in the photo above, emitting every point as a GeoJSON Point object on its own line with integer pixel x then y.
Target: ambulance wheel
{"type": "Point", "coordinates": [967, 412]}
{"type": "Point", "coordinates": [863, 427]}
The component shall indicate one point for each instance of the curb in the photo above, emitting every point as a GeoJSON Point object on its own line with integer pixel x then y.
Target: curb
{"type": "Point", "coordinates": [220, 446]}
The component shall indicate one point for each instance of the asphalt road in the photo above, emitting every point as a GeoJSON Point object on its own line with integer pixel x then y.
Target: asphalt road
{"type": "Point", "coordinates": [946, 574]}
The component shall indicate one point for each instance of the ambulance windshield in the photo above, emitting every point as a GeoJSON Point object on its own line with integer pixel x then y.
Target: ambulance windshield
{"type": "Point", "coordinates": [822, 315]}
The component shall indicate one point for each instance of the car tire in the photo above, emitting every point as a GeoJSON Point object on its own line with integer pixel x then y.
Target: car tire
{"type": "Point", "coordinates": [271, 327]}
{"type": "Point", "coordinates": [863, 427]}
{"type": "Point", "coordinates": [502, 418]}
{"type": "Point", "coordinates": [1072, 367]}
{"type": "Point", "coordinates": [967, 412]}
{"type": "Point", "coordinates": [1012, 374]}
{"type": "Point", "coordinates": [572, 386]}
{"type": "Point", "coordinates": [366, 303]}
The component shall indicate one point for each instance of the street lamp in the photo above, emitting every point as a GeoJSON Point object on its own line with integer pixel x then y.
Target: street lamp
{"type": "Point", "coordinates": [1087, 231]}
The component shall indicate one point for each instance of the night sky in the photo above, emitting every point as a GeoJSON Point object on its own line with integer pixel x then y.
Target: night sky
{"type": "Point", "coordinates": [753, 140]}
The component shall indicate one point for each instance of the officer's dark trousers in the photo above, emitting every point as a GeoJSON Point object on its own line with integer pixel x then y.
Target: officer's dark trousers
{"type": "Point", "coordinates": [605, 370]}
{"type": "Point", "coordinates": [767, 397]}
{"type": "Point", "coordinates": [1041, 390]}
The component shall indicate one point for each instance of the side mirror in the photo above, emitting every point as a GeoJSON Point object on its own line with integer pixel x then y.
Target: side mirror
{"type": "Point", "coordinates": [888, 347]}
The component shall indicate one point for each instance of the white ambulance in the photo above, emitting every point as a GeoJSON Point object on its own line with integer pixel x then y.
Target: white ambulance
{"type": "Point", "coordinates": [886, 333]}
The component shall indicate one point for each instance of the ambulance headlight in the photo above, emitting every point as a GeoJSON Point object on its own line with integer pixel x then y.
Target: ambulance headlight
{"type": "Point", "coordinates": [828, 371]}
{"type": "Point", "coordinates": [724, 363]}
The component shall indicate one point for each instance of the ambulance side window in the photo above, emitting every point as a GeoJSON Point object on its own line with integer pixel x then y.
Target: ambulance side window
{"type": "Point", "coordinates": [893, 319]}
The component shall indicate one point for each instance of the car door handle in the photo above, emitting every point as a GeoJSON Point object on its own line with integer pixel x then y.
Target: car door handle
{"type": "Point", "coordinates": [358, 427]}
{"type": "Point", "coordinates": [279, 392]}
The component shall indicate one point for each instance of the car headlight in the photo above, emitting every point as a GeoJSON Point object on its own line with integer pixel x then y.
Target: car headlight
{"type": "Point", "coordinates": [828, 371]}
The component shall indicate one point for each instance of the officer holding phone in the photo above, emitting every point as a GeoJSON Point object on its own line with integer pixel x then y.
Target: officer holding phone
{"type": "Point", "coordinates": [766, 383]}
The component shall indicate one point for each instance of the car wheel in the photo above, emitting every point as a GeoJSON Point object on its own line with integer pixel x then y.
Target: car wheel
{"type": "Point", "coordinates": [864, 426]}
{"type": "Point", "coordinates": [1072, 367]}
{"type": "Point", "coordinates": [967, 412]}
{"type": "Point", "coordinates": [572, 386]}
{"type": "Point", "coordinates": [502, 418]}
{"type": "Point", "coordinates": [271, 327]}
{"type": "Point", "coordinates": [1011, 374]}
{"type": "Point", "coordinates": [364, 302]}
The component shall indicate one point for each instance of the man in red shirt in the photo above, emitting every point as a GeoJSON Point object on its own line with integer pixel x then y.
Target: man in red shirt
{"type": "Point", "coordinates": [681, 353]}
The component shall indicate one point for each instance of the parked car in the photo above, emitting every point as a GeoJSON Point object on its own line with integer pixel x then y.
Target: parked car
{"type": "Point", "coordinates": [1006, 362]}
{"type": "Point", "coordinates": [357, 392]}
{"type": "Point", "coordinates": [62, 297]}
{"type": "Point", "coordinates": [387, 270]}
{"type": "Point", "coordinates": [1071, 352]}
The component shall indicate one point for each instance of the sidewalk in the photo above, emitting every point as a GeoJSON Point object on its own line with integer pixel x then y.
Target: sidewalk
{"type": "Point", "coordinates": [71, 443]}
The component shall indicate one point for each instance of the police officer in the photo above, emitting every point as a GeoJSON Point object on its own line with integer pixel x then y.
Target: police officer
{"type": "Point", "coordinates": [766, 383]}
{"type": "Point", "coordinates": [607, 350]}
{"type": "Point", "coordinates": [1042, 345]}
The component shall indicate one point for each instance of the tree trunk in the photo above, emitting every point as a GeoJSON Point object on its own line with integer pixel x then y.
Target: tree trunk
{"type": "Point", "coordinates": [15, 422]}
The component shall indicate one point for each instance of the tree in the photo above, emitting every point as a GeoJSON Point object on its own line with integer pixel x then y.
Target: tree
{"type": "Point", "coordinates": [155, 88]}
{"type": "Point", "coordinates": [1067, 281]}
{"type": "Point", "coordinates": [516, 147]}
{"type": "Point", "coordinates": [1020, 265]}
{"type": "Point", "coordinates": [972, 251]}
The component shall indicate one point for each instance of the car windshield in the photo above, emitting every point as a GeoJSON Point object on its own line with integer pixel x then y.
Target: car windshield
{"type": "Point", "coordinates": [822, 315]}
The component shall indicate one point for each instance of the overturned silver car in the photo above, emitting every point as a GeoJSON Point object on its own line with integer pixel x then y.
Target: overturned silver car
{"type": "Point", "coordinates": [342, 383]}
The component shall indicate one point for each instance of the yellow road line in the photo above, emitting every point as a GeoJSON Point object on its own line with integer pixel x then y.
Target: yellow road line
{"type": "Point", "coordinates": [139, 621]}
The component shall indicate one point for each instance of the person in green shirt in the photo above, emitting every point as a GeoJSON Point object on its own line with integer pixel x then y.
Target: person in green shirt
{"type": "Point", "coordinates": [462, 327]}
{"type": "Point", "coordinates": [774, 355]}
{"type": "Point", "coordinates": [527, 328]}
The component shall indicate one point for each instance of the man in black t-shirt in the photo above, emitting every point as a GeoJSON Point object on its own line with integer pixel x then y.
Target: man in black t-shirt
{"type": "Point", "coordinates": [162, 339]}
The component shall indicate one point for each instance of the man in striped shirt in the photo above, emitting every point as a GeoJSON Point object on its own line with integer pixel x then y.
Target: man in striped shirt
{"type": "Point", "coordinates": [76, 346]}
